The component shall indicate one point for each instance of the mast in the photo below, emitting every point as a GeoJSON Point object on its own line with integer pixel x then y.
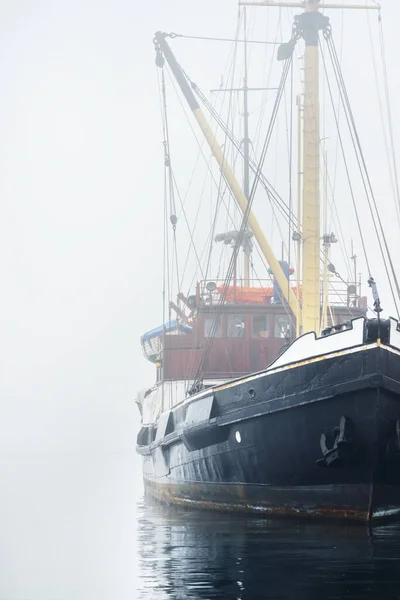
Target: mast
{"type": "Point", "coordinates": [307, 26]}
{"type": "Point", "coordinates": [164, 51]}
{"type": "Point", "coordinates": [311, 189]}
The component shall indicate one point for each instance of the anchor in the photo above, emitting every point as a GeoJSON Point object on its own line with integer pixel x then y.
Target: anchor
{"type": "Point", "coordinates": [337, 445]}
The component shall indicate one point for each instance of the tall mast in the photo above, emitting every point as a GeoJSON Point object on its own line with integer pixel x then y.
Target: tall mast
{"type": "Point", "coordinates": [307, 26]}
{"type": "Point", "coordinates": [311, 190]}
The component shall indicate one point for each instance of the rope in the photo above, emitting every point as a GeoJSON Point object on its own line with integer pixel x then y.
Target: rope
{"type": "Point", "coordinates": [290, 181]}
{"type": "Point", "coordinates": [389, 111]}
{"type": "Point", "coordinates": [224, 149]}
{"type": "Point", "coordinates": [214, 39]}
{"type": "Point", "coordinates": [381, 113]}
{"type": "Point", "coordinates": [198, 377]}
{"type": "Point", "coordinates": [362, 166]}
{"type": "Point", "coordinates": [268, 187]}
{"type": "Point", "coordinates": [368, 181]}
{"type": "Point", "coordinates": [346, 164]}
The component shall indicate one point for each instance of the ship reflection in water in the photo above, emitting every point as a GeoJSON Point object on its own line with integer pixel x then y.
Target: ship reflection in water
{"type": "Point", "coordinates": [207, 556]}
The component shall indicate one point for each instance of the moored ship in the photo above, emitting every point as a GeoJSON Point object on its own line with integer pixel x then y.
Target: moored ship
{"type": "Point", "coordinates": [275, 396]}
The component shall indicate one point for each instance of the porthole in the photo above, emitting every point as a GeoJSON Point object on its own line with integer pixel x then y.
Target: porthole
{"type": "Point", "coordinates": [238, 437]}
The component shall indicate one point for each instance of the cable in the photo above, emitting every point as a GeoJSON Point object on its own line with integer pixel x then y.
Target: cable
{"type": "Point", "coordinates": [198, 377]}
{"type": "Point", "coordinates": [271, 192]}
{"type": "Point", "coordinates": [346, 165]}
{"type": "Point", "coordinates": [389, 111]}
{"type": "Point", "coordinates": [362, 164]}
{"type": "Point", "coordinates": [368, 183]}
{"type": "Point", "coordinates": [213, 39]}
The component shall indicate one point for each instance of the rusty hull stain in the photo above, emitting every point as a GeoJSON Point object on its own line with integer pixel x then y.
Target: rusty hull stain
{"type": "Point", "coordinates": [168, 497]}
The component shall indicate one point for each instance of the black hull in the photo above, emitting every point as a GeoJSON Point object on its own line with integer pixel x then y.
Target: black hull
{"type": "Point", "coordinates": [316, 439]}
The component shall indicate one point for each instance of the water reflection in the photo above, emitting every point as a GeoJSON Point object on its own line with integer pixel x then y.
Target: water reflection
{"type": "Point", "coordinates": [202, 555]}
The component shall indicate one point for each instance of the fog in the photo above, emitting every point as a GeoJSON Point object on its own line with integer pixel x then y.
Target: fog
{"type": "Point", "coordinates": [80, 265]}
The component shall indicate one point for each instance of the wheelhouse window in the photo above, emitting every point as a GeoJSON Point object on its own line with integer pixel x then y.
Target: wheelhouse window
{"type": "Point", "coordinates": [212, 327]}
{"type": "Point", "coordinates": [260, 326]}
{"type": "Point", "coordinates": [235, 326]}
{"type": "Point", "coordinates": [282, 326]}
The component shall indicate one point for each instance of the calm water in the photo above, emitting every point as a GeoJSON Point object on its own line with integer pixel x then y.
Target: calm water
{"type": "Point", "coordinates": [73, 526]}
{"type": "Point", "coordinates": [201, 555]}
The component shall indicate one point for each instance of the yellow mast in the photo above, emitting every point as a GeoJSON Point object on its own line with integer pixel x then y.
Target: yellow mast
{"type": "Point", "coordinates": [311, 190]}
{"type": "Point", "coordinates": [307, 26]}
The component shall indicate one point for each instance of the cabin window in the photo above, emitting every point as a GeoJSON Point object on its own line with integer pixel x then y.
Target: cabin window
{"type": "Point", "coordinates": [259, 326]}
{"type": "Point", "coordinates": [235, 326]}
{"type": "Point", "coordinates": [212, 327]}
{"type": "Point", "coordinates": [282, 326]}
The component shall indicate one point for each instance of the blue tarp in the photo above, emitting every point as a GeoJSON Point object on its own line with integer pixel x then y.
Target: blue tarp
{"type": "Point", "coordinates": [170, 326]}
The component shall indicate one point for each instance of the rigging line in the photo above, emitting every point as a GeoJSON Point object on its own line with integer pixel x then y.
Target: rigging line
{"type": "Point", "coordinates": [168, 164]}
{"type": "Point", "coordinates": [208, 166]}
{"type": "Point", "coordinates": [187, 224]}
{"type": "Point", "coordinates": [166, 237]}
{"type": "Point", "coordinates": [270, 190]}
{"type": "Point", "coordinates": [257, 133]}
{"type": "Point", "coordinates": [240, 236]}
{"type": "Point", "coordinates": [213, 39]}
{"type": "Point", "coordinates": [380, 104]}
{"type": "Point", "coordinates": [229, 217]}
{"type": "Point", "coordinates": [389, 109]}
{"type": "Point", "coordinates": [200, 145]}
{"type": "Point", "coordinates": [176, 261]}
{"type": "Point", "coordinates": [194, 227]}
{"type": "Point", "coordinates": [345, 163]}
{"type": "Point", "coordinates": [168, 148]}
{"type": "Point", "coordinates": [262, 158]}
{"type": "Point", "coordinates": [290, 174]}
{"type": "Point", "coordinates": [334, 208]}
{"type": "Point", "coordinates": [339, 113]}
{"type": "Point", "coordinates": [345, 105]}
{"type": "Point", "coordinates": [209, 237]}
{"type": "Point", "coordinates": [221, 179]}
{"type": "Point", "coordinates": [368, 180]}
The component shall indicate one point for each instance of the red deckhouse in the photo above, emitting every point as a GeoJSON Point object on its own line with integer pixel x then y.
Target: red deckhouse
{"type": "Point", "coordinates": [251, 329]}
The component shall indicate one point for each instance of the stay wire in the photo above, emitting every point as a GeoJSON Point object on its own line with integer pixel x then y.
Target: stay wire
{"type": "Point", "coordinates": [389, 109]}
{"type": "Point", "coordinates": [271, 192]}
{"type": "Point", "coordinates": [214, 39]}
{"type": "Point", "coordinates": [168, 165]}
{"type": "Point", "coordinates": [345, 163]}
{"type": "Point", "coordinates": [239, 240]}
{"type": "Point", "coordinates": [290, 178]}
{"type": "Point", "coordinates": [222, 178]}
{"type": "Point", "coordinates": [368, 180]}
{"type": "Point", "coordinates": [383, 123]}
{"type": "Point", "coordinates": [166, 267]}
